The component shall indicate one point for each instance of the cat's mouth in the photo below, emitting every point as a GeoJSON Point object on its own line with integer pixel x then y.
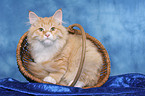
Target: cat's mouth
{"type": "Point", "coordinates": [49, 38]}
{"type": "Point", "coordinates": [48, 42]}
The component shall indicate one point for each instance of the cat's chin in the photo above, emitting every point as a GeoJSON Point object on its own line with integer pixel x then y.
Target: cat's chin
{"type": "Point", "coordinates": [47, 42]}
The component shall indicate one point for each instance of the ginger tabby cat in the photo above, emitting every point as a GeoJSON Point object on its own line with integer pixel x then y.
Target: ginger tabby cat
{"type": "Point", "coordinates": [57, 54]}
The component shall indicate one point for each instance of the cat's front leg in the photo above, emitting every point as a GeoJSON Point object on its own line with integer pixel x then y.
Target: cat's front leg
{"type": "Point", "coordinates": [55, 77]}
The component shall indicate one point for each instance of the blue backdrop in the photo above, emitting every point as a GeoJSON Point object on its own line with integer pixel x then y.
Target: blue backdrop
{"type": "Point", "coordinates": [118, 24]}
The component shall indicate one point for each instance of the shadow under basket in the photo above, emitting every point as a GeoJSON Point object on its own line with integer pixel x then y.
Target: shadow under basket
{"type": "Point", "coordinates": [23, 58]}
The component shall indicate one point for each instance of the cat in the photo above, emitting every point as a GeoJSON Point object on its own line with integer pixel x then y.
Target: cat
{"type": "Point", "coordinates": [57, 53]}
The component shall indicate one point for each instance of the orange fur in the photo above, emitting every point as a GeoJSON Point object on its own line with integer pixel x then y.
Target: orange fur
{"type": "Point", "coordinates": [58, 56]}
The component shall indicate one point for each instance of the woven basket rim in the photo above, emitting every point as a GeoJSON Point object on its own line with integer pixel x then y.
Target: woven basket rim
{"type": "Point", "coordinates": [28, 75]}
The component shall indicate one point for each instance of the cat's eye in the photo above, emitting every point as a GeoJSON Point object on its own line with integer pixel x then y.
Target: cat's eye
{"type": "Point", "coordinates": [41, 29]}
{"type": "Point", "coordinates": [53, 28]}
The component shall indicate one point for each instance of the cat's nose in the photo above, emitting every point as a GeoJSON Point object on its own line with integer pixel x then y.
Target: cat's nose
{"type": "Point", "coordinates": [47, 35]}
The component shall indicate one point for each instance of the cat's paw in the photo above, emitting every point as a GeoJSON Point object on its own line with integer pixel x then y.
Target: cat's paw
{"type": "Point", "coordinates": [49, 79]}
{"type": "Point", "coordinates": [78, 84]}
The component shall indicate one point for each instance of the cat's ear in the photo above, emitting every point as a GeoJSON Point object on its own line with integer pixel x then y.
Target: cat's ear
{"type": "Point", "coordinates": [32, 17]}
{"type": "Point", "coordinates": [58, 16]}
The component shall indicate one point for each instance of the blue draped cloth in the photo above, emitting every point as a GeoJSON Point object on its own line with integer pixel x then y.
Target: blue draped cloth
{"type": "Point", "coordinates": [127, 84]}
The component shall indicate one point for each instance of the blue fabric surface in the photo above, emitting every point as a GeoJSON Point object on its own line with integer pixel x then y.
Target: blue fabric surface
{"type": "Point", "coordinates": [127, 84]}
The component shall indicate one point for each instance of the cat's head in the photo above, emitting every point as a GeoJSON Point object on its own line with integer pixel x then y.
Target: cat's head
{"type": "Point", "coordinates": [46, 30]}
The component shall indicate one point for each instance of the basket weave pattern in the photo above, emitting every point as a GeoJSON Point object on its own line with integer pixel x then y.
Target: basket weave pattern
{"type": "Point", "coordinates": [23, 58]}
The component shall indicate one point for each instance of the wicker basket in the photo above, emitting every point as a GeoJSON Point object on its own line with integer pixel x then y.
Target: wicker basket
{"type": "Point", "coordinates": [23, 58]}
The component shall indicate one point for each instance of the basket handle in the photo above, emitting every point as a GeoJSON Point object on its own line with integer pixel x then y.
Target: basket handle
{"type": "Point", "coordinates": [83, 51]}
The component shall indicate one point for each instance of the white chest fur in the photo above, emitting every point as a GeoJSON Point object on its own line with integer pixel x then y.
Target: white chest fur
{"type": "Point", "coordinates": [45, 54]}
{"type": "Point", "coordinates": [42, 53]}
